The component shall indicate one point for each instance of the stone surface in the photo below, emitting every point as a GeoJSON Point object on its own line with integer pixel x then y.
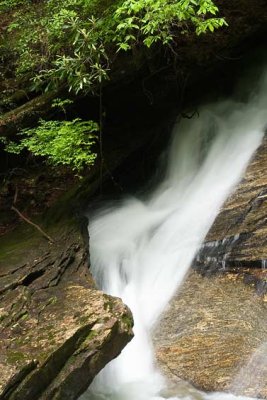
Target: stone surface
{"type": "Point", "coordinates": [214, 335]}
{"type": "Point", "coordinates": [56, 330]}
{"type": "Point", "coordinates": [238, 237]}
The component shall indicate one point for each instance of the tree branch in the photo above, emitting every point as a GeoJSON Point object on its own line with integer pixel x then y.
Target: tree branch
{"type": "Point", "coordinates": [33, 224]}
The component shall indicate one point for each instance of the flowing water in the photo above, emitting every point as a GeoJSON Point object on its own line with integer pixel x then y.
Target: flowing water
{"type": "Point", "coordinates": [253, 375]}
{"type": "Point", "coordinates": [141, 249]}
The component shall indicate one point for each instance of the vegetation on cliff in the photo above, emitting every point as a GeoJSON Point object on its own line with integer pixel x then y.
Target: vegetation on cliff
{"type": "Point", "coordinates": [74, 41]}
{"type": "Point", "coordinates": [61, 142]}
{"type": "Point", "coordinates": [72, 44]}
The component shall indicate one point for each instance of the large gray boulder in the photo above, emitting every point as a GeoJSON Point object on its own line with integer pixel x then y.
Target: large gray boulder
{"type": "Point", "coordinates": [56, 330]}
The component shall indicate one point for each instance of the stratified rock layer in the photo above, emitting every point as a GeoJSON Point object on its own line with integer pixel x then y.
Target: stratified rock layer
{"type": "Point", "coordinates": [214, 335]}
{"type": "Point", "coordinates": [238, 237]}
{"type": "Point", "coordinates": [215, 331]}
{"type": "Point", "coordinates": [57, 330]}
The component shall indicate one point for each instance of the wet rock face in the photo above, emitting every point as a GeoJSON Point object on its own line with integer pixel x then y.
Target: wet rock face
{"type": "Point", "coordinates": [56, 330]}
{"type": "Point", "coordinates": [237, 238]}
{"type": "Point", "coordinates": [214, 335]}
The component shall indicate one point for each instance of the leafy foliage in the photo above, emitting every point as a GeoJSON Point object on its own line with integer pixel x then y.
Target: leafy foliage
{"type": "Point", "coordinates": [60, 142]}
{"type": "Point", "coordinates": [6, 5]}
{"type": "Point", "coordinates": [61, 104]}
{"type": "Point", "coordinates": [73, 41]}
{"type": "Point", "coordinates": [82, 61]}
{"type": "Point", "coordinates": [154, 21]}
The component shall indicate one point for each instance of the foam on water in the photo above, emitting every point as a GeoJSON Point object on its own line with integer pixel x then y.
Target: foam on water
{"type": "Point", "coordinates": [141, 250]}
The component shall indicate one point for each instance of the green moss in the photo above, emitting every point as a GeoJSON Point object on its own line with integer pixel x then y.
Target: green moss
{"type": "Point", "coordinates": [83, 320]}
{"type": "Point", "coordinates": [24, 315]}
{"type": "Point", "coordinates": [21, 341]}
{"type": "Point", "coordinates": [3, 316]}
{"type": "Point", "coordinates": [109, 304]}
{"type": "Point", "coordinates": [18, 243]}
{"type": "Point", "coordinates": [85, 345]}
{"type": "Point", "coordinates": [128, 321]}
{"type": "Point", "coordinates": [15, 357]}
{"type": "Point", "coordinates": [91, 335]}
{"type": "Point", "coordinates": [52, 300]}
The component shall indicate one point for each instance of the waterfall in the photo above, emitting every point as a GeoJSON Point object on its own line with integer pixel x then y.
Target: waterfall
{"type": "Point", "coordinates": [141, 249]}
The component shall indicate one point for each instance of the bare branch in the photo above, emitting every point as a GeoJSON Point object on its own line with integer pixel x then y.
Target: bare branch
{"type": "Point", "coordinates": [33, 224]}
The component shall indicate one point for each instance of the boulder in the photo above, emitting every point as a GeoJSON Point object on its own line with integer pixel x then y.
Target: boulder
{"type": "Point", "coordinates": [214, 335]}
{"type": "Point", "coordinates": [57, 331]}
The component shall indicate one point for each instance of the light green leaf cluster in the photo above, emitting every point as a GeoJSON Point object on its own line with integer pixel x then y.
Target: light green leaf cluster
{"type": "Point", "coordinates": [151, 21]}
{"type": "Point", "coordinates": [68, 143]}
{"type": "Point", "coordinates": [61, 103]}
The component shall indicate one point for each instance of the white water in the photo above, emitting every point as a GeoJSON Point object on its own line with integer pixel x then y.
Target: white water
{"type": "Point", "coordinates": [253, 374]}
{"type": "Point", "coordinates": [141, 250]}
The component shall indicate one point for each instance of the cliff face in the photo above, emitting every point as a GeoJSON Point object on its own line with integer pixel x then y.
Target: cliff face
{"type": "Point", "coordinates": [57, 330]}
{"type": "Point", "coordinates": [237, 239]}
{"type": "Point", "coordinates": [215, 331]}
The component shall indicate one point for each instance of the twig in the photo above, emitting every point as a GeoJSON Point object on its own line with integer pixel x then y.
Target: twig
{"type": "Point", "coordinates": [33, 224]}
{"type": "Point", "coordinates": [112, 177]}
{"type": "Point", "coordinates": [101, 136]}
{"type": "Point", "coordinates": [15, 195]}
{"type": "Point", "coordinates": [184, 115]}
